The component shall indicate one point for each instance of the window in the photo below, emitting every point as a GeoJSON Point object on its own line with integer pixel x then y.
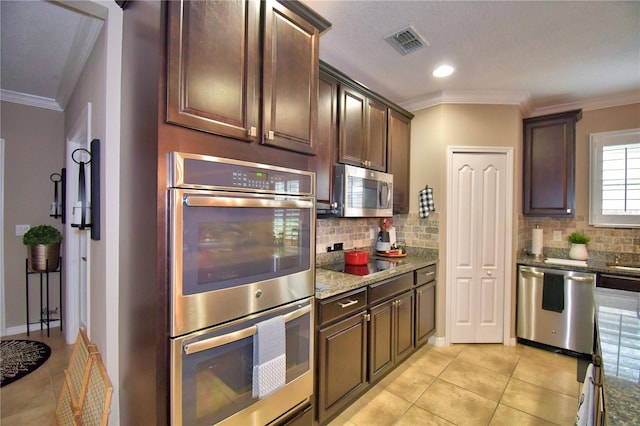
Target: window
{"type": "Point", "coordinates": [614, 187]}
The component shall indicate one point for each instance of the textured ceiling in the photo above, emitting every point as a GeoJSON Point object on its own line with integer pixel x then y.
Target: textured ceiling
{"type": "Point", "coordinates": [552, 52]}
{"type": "Point", "coordinates": [540, 54]}
{"type": "Point", "coordinates": [44, 47]}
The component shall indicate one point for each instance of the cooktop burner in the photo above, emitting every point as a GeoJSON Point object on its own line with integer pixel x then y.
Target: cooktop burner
{"type": "Point", "coordinates": [373, 266]}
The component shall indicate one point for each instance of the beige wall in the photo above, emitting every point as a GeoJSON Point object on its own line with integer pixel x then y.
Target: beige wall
{"type": "Point", "coordinates": [91, 88]}
{"type": "Point", "coordinates": [34, 148]}
{"type": "Point", "coordinates": [436, 128]}
{"type": "Point", "coordinates": [605, 242]}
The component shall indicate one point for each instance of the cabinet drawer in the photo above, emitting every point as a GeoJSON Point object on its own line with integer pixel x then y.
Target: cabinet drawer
{"type": "Point", "coordinates": [425, 275]}
{"type": "Point", "coordinates": [391, 287]}
{"type": "Point", "coordinates": [341, 306]}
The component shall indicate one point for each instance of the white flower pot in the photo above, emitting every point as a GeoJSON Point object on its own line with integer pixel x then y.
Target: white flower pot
{"type": "Point", "coordinates": [578, 252]}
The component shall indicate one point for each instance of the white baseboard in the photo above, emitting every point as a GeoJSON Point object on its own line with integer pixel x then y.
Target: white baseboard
{"type": "Point", "coordinates": [21, 329]}
{"type": "Point", "coordinates": [437, 341]}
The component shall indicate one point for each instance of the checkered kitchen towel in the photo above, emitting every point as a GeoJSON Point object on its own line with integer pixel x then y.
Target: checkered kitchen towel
{"type": "Point", "coordinates": [426, 202]}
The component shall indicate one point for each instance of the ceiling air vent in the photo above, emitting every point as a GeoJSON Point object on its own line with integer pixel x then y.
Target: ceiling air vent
{"type": "Point", "coordinates": [406, 40]}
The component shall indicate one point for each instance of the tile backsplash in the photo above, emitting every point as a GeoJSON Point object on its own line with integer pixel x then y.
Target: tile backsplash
{"type": "Point", "coordinates": [605, 242]}
{"type": "Point", "coordinates": [410, 228]}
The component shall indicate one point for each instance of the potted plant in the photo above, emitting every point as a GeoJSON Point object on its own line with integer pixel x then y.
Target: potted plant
{"type": "Point", "coordinates": [578, 242]}
{"type": "Point", "coordinates": [43, 247]}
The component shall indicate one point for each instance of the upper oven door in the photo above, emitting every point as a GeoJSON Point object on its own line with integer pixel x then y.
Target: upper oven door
{"type": "Point", "coordinates": [233, 254]}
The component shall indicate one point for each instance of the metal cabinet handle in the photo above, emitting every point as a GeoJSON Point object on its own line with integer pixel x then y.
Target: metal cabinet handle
{"type": "Point", "coordinates": [203, 345]}
{"type": "Point", "coordinates": [580, 279]}
{"type": "Point", "coordinates": [270, 135]}
{"type": "Point", "coordinates": [530, 273]}
{"type": "Point", "coordinates": [253, 131]}
{"type": "Point", "coordinates": [347, 304]}
{"type": "Point", "coordinates": [367, 317]}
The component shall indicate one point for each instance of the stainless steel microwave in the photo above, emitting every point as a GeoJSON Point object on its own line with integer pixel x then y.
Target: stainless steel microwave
{"type": "Point", "coordinates": [362, 192]}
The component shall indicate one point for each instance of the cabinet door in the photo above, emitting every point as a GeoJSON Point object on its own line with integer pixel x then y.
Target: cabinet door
{"type": "Point", "coordinates": [549, 165]}
{"type": "Point", "coordinates": [381, 340]}
{"type": "Point", "coordinates": [376, 142]}
{"type": "Point", "coordinates": [398, 160]}
{"type": "Point", "coordinates": [425, 312]}
{"type": "Point", "coordinates": [290, 76]}
{"type": "Point", "coordinates": [213, 67]}
{"type": "Point", "coordinates": [327, 142]}
{"type": "Point", "coordinates": [404, 326]}
{"type": "Point", "coordinates": [342, 372]}
{"type": "Point", "coordinates": [353, 107]}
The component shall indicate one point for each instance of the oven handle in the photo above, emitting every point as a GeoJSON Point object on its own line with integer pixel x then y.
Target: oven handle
{"type": "Point", "coordinates": [200, 201]}
{"type": "Point", "coordinates": [214, 342]}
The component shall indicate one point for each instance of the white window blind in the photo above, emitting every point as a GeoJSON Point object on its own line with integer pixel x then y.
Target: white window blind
{"type": "Point", "coordinates": [615, 178]}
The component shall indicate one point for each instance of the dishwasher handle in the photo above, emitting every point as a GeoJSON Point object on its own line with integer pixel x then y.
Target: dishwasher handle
{"type": "Point", "coordinates": [530, 273]}
{"type": "Point", "coordinates": [581, 279]}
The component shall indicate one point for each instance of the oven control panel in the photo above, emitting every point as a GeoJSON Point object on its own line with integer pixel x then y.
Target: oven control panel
{"type": "Point", "coordinates": [216, 173]}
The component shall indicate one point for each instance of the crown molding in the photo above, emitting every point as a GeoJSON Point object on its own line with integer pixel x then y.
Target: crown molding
{"type": "Point", "coordinates": [88, 30]}
{"type": "Point", "coordinates": [601, 102]}
{"type": "Point", "coordinates": [492, 97]}
{"type": "Point", "coordinates": [523, 99]}
{"type": "Point", "coordinates": [30, 100]}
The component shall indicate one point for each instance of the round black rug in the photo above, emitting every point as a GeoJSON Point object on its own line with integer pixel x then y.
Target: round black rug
{"type": "Point", "coordinates": [21, 357]}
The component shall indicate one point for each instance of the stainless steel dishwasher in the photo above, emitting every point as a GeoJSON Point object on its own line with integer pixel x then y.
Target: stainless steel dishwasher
{"type": "Point", "coordinates": [556, 308]}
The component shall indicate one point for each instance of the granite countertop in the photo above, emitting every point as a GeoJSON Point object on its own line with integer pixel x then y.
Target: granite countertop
{"type": "Point", "coordinates": [592, 266]}
{"type": "Point", "coordinates": [330, 283]}
{"type": "Point", "coordinates": [618, 323]}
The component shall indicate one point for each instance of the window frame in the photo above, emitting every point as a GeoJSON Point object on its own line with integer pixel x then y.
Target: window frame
{"type": "Point", "coordinates": [596, 142]}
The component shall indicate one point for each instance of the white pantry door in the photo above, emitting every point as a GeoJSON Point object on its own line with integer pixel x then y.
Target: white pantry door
{"type": "Point", "coordinates": [477, 246]}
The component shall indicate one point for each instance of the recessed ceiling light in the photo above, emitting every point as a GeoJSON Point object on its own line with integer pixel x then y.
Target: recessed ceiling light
{"type": "Point", "coordinates": [443, 71]}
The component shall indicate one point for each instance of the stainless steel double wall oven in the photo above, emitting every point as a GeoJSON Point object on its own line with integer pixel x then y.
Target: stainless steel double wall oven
{"type": "Point", "coordinates": [241, 252]}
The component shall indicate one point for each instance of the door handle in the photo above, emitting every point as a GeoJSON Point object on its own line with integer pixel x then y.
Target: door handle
{"type": "Point", "coordinates": [203, 345]}
{"type": "Point", "coordinates": [203, 201]}
{"type": "Point", "coordinates": [530, 273]}
{"type": "Point", "coordinates": [581, 279]}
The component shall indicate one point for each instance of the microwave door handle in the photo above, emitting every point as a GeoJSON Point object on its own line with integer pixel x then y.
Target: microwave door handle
{"type": "Point", "coordinates": [200, 201]}
{"type": "Point", "coordinates": [385, 193]}
{"type": "Point", "coordinates": [214, 342]}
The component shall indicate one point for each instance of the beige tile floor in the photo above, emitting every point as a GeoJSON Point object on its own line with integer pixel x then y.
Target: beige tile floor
{"type": "Point", "coordinates": [32, 400]}
{"type": "Point", "coordinates": [455, 385]}
{"type": "Point", "coordinates": [477, 384]}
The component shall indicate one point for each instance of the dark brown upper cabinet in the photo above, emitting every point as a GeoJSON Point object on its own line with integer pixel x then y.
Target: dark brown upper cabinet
{"type": "Point", "coordinates": [221, 74]}
{"type": "Point", "coordinates": [399, 148]}
{"type": "Point", "coordinates": [213, 67]}
{"type": "Point", "coordinates": [363, 130]}
{"type": "Point", "coordinates": [326, 142]}
{"type": "Point", "coordinates": [549, 164]}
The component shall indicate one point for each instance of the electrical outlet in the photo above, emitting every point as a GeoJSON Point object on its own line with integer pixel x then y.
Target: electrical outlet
{"type": "Point", "coordinates": [22, 229]}
{"type": "Point", "coordinates": [372, 234]}
{"type": "Point", "coordinates": [557, 235]}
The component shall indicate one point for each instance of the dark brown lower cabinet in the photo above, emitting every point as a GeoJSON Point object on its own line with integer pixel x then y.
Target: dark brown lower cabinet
{"type": "Point", "coordinates": [425, 312]}
{"type": "Point", "coordinates": [342, 370]}
{"type": "Point", "coordinates": [391, 331]}
{"type": "Point", "coordinates": [363, 334]}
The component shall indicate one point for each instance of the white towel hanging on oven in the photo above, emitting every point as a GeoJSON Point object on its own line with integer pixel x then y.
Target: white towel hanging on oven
{"type": "Point", "coordinates": [269, 357]}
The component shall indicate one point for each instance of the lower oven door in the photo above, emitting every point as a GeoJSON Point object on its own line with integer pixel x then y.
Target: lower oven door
{"type": "Point", "coordinates": [211, 377]}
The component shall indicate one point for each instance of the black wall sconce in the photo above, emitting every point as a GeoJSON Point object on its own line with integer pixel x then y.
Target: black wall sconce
{"type": "Point", "coordinates": [86, 212]}
{"type": "Point", "coordinates": [56, 206]}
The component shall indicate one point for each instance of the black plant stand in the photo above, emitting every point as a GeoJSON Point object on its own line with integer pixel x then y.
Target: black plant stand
{"type": "Point", "coordinates": [44, 279]}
